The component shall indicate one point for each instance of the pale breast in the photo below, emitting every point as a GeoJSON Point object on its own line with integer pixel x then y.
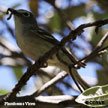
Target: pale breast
{"type": "Point", "coordinates": [32, 46]}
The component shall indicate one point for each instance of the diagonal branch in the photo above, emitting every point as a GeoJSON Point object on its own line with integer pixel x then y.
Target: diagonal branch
{"type": "Point", "coordinates": [50, 83]}
{"type": "Point", "coordinates": [101, 42]}
{"type": "Point", "coordinates": [97, 50]}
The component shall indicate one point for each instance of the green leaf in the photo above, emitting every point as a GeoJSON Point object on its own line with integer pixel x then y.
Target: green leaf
{"type": "Point", "coordinates": [55, 22]}
{"type": "Point", "coordinates": [96, 37]}
{"type": "Point", "coordinates": [74, 12]}
{"type": "Point", "coordinates": [18, 71]}
{"type": "Point", "coordinates": [3, 92]}
{"type": "Point", "coordinates": [102, 77]}
{"type": "Point", "coordinates": [94, 97]}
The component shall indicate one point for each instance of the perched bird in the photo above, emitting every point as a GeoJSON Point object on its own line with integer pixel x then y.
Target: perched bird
{"type": "Point", "coordinates": [35, 42]}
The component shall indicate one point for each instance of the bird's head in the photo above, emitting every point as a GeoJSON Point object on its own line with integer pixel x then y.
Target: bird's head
{"type": "Point", "coordinates": [22, 16]}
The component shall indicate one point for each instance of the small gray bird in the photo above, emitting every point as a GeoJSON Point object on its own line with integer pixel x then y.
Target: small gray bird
{"type": "Point", "coordinates": [35, 42]}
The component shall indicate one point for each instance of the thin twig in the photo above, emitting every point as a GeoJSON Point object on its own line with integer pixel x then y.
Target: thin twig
{"type": "Point", "coordinates": [97, 49]}
{"type": "Point", "coordinates": [50, 83]}
{"type": "Point", "coordinates": [102, 41]}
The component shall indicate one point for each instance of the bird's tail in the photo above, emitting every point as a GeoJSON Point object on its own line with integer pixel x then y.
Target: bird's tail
{"type": "Point", "coordinates": [65, 57]}
{"type": "Point", "coordinates": [77, 77]}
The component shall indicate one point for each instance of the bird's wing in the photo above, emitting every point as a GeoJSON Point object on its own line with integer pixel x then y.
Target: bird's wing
{"type": "Point", "coordinates": [48, 37]}
{"type": "Point", "coordinates": [45, 35]}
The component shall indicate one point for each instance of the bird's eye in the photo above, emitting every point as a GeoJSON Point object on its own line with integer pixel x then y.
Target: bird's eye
{"type": "Point", "coordinates": [26, 14]}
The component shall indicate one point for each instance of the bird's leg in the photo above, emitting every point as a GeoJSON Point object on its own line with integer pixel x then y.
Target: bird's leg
{"type": "Point", "coordinates": [41, 63]}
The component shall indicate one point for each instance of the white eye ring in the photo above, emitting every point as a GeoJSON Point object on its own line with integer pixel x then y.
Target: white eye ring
{"type": "Point", "coordinates": [26, 14]}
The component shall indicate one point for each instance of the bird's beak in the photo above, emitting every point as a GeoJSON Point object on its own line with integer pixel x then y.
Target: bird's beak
{"type": "Point", "coordinates": [12, 12]}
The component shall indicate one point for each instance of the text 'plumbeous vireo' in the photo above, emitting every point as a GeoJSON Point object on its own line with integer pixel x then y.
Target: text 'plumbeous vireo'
{"type": "Point", "coordinates": [35, 42]}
